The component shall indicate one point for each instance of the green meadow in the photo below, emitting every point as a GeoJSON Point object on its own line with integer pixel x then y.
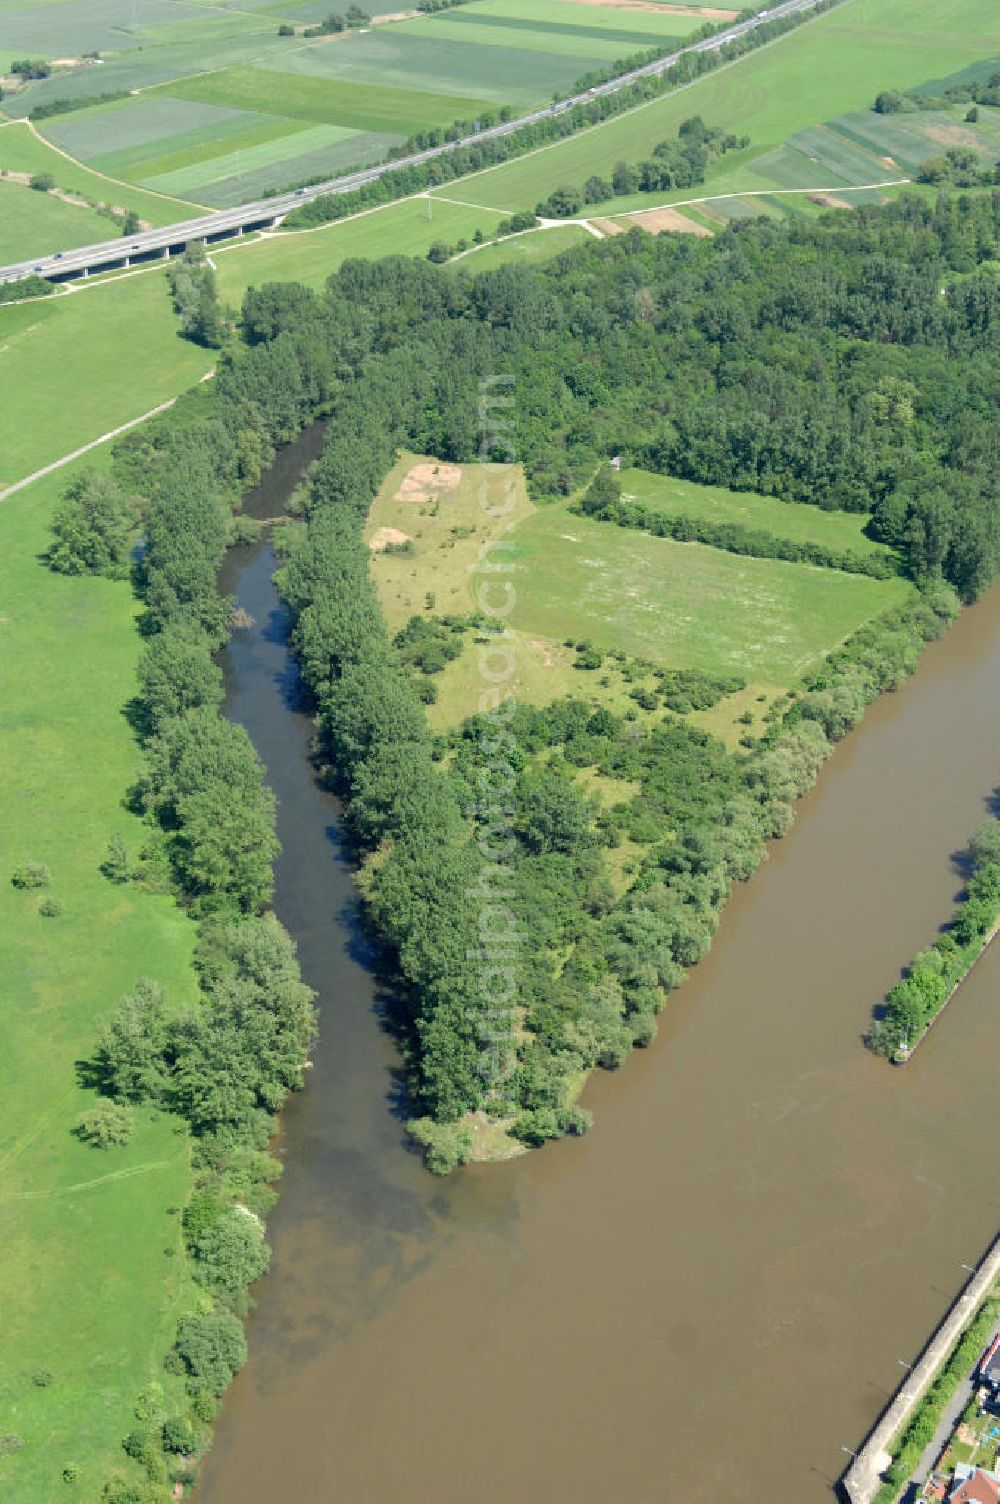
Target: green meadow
{"type": "Point", "coordinates": [309, 256]}
{"type": "Point", "coordinates": [90, 1242]}
{"type": "Point", "coordinates": [524, 250]}
{"type": "Point", "coordinates": [32, 222]}
{"type": "Point", "coordinates": [75, 366]}
{"type": "Point", "coordinates": [297, 96]}
{"type": "Point", "coordinates": [684, 605]}
{"type": "Point", "coordinates": [798, 523]}
{"type": "Point", "coordinates": [677, 605]}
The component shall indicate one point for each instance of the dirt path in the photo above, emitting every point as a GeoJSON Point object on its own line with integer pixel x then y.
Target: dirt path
{"type": "Point", "coordinates": [67, 459]}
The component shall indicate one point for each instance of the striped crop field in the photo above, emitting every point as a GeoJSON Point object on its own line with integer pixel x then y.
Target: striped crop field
{"type": "Point", "coordinates": [215, 107]}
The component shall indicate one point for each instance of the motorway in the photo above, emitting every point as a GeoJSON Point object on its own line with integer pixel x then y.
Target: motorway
{"type": "Point", "coordinates": [265, 213]}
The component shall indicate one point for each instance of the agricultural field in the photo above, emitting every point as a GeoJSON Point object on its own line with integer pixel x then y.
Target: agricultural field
{"type": "Point", "coordinates": [798, 523]}
{"type": "Point", "coordinates": [677, 605]}
{"type": "Point", "coordinates": [82, 1334]}
{"type": "Point", "coordinates": [222, 109]}
{"type": "Point", "coordinates": [72, 368]}
{"type": "Point", "coordinates": [23, 153]}
{"type": "Point", "coordinates": [405, 228]}
{"type": "Point", "coordinates": [829, 67]}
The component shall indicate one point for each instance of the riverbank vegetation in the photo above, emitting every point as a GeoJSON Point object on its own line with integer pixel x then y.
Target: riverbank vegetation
{"type": "Point", "coordinates": [934, 976]}
{"type": "Point", "coordinates": [399, 352]}
{"type": "Point", "coordinates": [200, 1066]}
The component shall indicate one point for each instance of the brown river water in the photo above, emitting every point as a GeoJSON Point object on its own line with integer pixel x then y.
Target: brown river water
{"type": "Point", "coordinates": [711, 1294]}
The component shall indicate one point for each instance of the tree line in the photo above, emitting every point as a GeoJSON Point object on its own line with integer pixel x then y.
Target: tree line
{"type": "Point", "coordinates": [603, 500]}
{"type": "Point", "coordinates": [224, 1062]}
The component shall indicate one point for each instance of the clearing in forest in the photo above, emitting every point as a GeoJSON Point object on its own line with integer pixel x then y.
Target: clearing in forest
{"type": "Point", "coordinates": [674, 605]}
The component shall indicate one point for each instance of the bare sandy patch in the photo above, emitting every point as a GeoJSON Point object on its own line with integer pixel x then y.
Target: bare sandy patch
{"type": "Point", "coordinates": [829, 201]}
{"type": "Point", "coordinates": [544, 651]}
{"type": "Point", "coordinates": [610, 226]}
{"type": "Point", "coordinates": [951, 135]}
{"type": "Point", "coordinates": [657, 220]}
{"type": "Point", "coordinates": [710, 12]}
{"type": "Point", "coordinates": [423, 482]}
{"type": "Point", "coordinates": [383, 536]}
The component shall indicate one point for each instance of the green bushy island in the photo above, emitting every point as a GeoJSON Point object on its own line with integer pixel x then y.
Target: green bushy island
{"type": "Point", "coordinates": [812, 362]}
{"type": "Point", "coordinates": [932, 977]}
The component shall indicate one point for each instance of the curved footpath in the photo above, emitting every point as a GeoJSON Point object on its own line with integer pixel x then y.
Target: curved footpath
{"type": "Point", "coordinates": [863, 1478]}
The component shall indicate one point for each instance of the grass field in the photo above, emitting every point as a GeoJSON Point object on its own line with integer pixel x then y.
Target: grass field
{"type": "Point", "coordinates": [75, 367]}
{"type": "Point", "coordinates": [681, 604]}
{"type": "Point", "coordinates": [801, 524]}
{"type": "Point", "coordinates": [89, 1251]}
{"type": "Point", "coordinates": [524, 250]}
{"type": "Point", "coordinates": [311, 255]}
{"type": "Point", "coordinates": [677, 605]}
{"type": "Point", "coordinates": [297, 96]}
{"type": "Point", "coordinates": [32, 223]}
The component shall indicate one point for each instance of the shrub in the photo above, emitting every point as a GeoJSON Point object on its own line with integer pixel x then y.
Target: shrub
{"type": "Point", "coordinates": [117, 864]}
{"type": "Point", "coordinates": [178, 1434]}
{"type": "Point", "coordinates": [31, 875]}
{"type": "Point", "coordinates": [210, 1348]}
{"type": "Point", "coordinates": [107, 1126]}
{"type": "Point", "coordinates": [446, 1145]}
{"type": "Point", "coordinates": [42, 182]}
{"type": "Point", "coordinates": [92, 527]}
{"type": "Point", "coordinates": [231, 1253]}
{"type": "Point", "coordinates": [50, 907]}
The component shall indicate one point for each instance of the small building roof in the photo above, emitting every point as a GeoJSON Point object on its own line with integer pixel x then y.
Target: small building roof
{"type": "Point", "coordinates": [974, 1485]}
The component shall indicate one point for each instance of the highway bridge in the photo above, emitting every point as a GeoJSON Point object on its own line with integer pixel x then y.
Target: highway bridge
{"type": "Point", "coordinates": [223, 224]}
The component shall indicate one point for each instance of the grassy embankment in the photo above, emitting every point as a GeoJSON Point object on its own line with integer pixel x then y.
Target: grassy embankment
{"type": "Point", "coordinates": [91, 1255]}
{"type": "Point", "coordinates": [674, 605]}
